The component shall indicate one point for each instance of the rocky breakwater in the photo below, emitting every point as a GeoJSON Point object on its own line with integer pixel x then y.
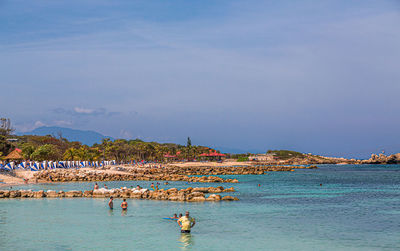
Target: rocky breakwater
{"type": "Point", "coordinates": [258, 169]}
{"type": "Point", "coordinates": [196, 194]}
{"type": "Point", "coordinates": [67, 175]}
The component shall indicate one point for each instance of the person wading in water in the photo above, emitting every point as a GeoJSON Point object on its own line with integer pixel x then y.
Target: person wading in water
{"type": "Point", "coordinates": [186, 223]}
{"type": "Point", "coordinates": [124, 205]}
{"type": "Point", "coordinates": [111, 203]}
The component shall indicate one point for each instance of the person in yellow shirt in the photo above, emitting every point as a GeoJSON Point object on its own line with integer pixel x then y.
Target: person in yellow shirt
{"type": "Point", "coordinates": [186, 223]}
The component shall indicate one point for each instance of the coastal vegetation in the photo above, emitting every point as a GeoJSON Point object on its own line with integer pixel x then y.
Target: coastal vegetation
{"type": "Point", "coordinates": [56, 147]}
{"type": "Point", "coordinates": [285, 154]}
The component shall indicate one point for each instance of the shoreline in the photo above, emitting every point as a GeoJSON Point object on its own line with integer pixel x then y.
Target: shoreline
{"type": "Point", "coordinates": [188, 172]}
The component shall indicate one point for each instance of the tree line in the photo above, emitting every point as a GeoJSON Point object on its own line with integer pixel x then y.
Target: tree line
{"type": "Point", "coordinates": [55, 147]}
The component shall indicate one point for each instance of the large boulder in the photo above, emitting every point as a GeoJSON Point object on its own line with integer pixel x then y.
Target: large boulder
{"type": "Point", "coordinates": [15, 194]}
{"type": "Point", "coordinates": [172, 190]}
{"type": "Point", "coordinates": [197, 199]}
{"type": "Point", "coordinates": [26, 194]}
{"type": "Point", "coordinates": [214, 197]}
{"type": "Point", "coordinates": [70, 194]}
{"type": "Point", "coordinates": [87, 193]}
{"type": "Point", "coordinates": [215, 189]}
{"type": "Point", "coordinates": [200, 189]}
{"type": "Point", "coordinates": [195, 194]}
{"type": "Point", "coordinates": [39, 194]}
{"type": "Point", "coordinates": [51, 194]}
{"type": "Point", "coordinates": [229, 198]}
{"type": "Point", "coordinates": [4, 193]}
{"type": "Point", "coordinates": [228, 190]}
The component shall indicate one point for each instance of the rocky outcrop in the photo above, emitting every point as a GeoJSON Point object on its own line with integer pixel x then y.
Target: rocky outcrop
{"type": "Point", "coordinates": [383, 159]}
{"type": "Point", "coordinates": [67, 175]}
{"type": "Point", "coordinates": [196, 194]}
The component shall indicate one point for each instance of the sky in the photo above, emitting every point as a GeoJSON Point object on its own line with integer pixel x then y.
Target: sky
{"type": "Point", "coordinates": [312, 76]}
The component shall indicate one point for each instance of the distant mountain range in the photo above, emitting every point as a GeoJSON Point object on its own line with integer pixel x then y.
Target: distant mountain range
{"type": "Point", "coordinates": [86, 137]}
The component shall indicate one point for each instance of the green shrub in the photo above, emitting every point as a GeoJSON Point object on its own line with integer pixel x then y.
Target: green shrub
{"type": "Point", "coordinates": [242, 159]}
{"type": "Point", "coordinates": [285, 154]}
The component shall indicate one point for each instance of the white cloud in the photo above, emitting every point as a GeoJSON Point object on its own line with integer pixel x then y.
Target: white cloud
{"type": "Point", "coordinates": [39, 124]}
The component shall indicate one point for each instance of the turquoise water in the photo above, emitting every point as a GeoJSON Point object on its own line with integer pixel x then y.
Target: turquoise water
{"type": "Point", "coordinates": [356, 208]}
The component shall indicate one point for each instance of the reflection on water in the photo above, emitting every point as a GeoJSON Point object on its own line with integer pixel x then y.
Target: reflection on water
{"type": "Point", "coordinates": [110, 212]}
{"type": "Point", "coordinates": [124, 212]}
{"type": "Point", "coordinates": [186, 241]}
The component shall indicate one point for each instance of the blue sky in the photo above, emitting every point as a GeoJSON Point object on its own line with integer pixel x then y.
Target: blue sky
{"type": "Point", "coordinates": [313, 76]}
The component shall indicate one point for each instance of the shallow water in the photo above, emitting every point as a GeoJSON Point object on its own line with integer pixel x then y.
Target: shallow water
{"type": "Point", "coordinates": [356, 208]}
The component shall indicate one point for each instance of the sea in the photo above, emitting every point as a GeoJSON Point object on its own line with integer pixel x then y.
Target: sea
{"type": "Point", "coordinates": [334, 207]}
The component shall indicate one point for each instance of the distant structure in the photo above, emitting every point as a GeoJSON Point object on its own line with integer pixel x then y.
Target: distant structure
{"type": "Point", "coordinates": [262, 157]}
{"type": "Point", "coordinates": [14, 155]}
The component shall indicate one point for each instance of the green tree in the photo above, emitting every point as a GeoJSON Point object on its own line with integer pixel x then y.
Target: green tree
{"type": "Point", "coordinates": [27, 150]}
{"type": "Point", "coordinates": [46, 152]}
{"type": "Point", "coordinates": [70, 154]}
{"type": "Point", "coordinates": [188, 148]}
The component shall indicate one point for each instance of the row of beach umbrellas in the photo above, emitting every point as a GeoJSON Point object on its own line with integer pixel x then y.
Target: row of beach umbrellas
{"type": "Point", "coordinates": [36, 166]}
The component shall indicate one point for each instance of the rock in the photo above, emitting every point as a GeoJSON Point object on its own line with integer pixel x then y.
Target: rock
{"type": "Point", "coordinates": [189, 194]}
{"type": "Point", "coordinates": [125, 194]}
{"type": "Point", "coordinates": [88, 194]}
{"type": "Point", "coordinates": [39, 194]}
{"type": "Point", "coordinates": [15, 194]}
{"type": "Point", "coordinates": [197, 199]}
{"type": "Point", "coordinates": [195, 194]}
{"type": "Point", "coordinates": [228, 198]}
{"type": "Point", "coordinates": [26, 194]}
{"type": "Point", "coordinates": [4, 193]}
{"type": "Point", "coordinates": [214, 197]}
{"type": "Point", "coordinates": [71, 194]}
{"type": "Point", "coordinates": [51, 194]}
{"type": "Point", "coordinates": [228, 190]}
{"type": "Point", "coordinates": [172, 190]}
{"type": "Point", "coordinates": [97, 194]}
{"type": "Point", "coordinates": [136, 195]}
{"type": "Point", "coordinates": [200, 189]}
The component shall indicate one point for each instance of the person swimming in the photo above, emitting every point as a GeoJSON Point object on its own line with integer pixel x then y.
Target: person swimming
{"type": "Point", "coordinates": [124, 205]}
{"type": "Point", "coordinates": [96, 186]}
{"type": "Point", "coordinates": [105, 186]}
{"type": "Point", "coordinates": [175, 217]}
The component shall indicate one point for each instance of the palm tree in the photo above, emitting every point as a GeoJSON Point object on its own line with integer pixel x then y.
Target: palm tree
{"type": "Point", "coordinates": [70, 154]}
